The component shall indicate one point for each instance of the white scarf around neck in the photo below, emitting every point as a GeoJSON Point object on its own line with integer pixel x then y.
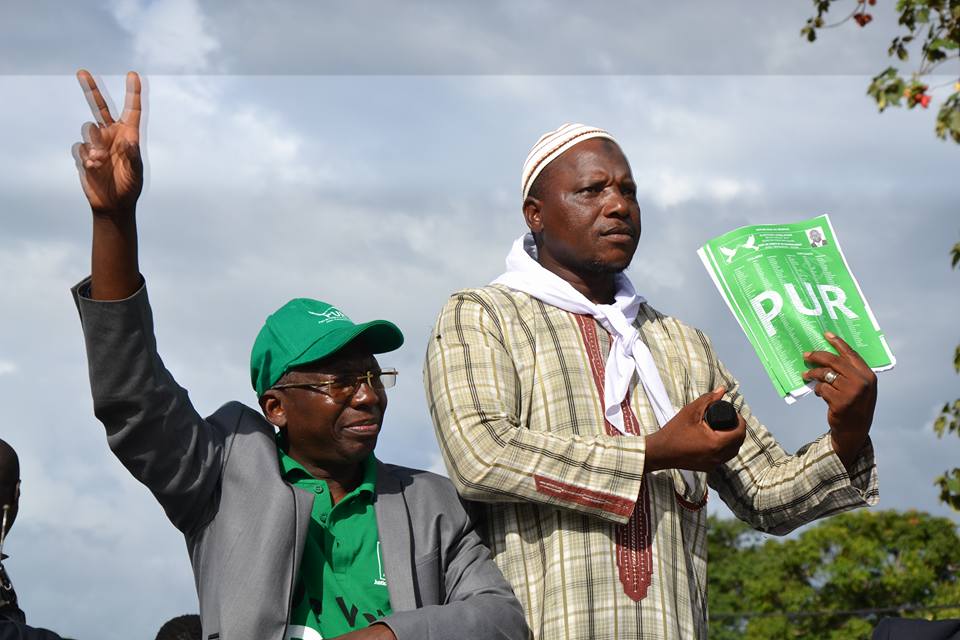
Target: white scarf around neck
{"type": "Point", "coordinates": [628, 353]}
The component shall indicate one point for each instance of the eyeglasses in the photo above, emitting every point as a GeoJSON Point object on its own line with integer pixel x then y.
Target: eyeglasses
{"type": "Point", "coordinates": [341, 388]}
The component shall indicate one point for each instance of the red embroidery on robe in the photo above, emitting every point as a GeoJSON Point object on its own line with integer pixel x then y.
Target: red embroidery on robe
{"type": "Point", "coordinates": [586, 497]}
{"type": "Point", "coordinates": [634, 540]}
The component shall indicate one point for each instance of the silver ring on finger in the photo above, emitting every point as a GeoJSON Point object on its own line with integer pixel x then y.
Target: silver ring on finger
{"type": "Point", "coordinates": [830, 376]}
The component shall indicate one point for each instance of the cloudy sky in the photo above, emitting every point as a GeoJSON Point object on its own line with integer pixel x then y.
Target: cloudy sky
{"type": "Point", "coordinates": [369, 153]}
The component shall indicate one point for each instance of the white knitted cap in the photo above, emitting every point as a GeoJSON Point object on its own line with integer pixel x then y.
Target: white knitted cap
{"type": "Point", "coordinates": [551, 145]}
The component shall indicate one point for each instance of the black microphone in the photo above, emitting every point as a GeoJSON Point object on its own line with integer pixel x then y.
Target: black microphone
{"type": "Point", "coordinates": [721, 416]}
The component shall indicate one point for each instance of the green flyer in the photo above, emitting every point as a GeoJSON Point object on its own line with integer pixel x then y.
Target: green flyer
{"type": "Point", "coordinates": [786, 284]}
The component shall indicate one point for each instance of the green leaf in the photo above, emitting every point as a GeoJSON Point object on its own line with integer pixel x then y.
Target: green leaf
{"type": "Point", "coordinates": [940, 424]}
{"type": "Point", "coordinates": [948, 120]}
{"type": "Point", "coordinates": [944, 43]}
{"type": "Point", "coordinates": [953, 485]}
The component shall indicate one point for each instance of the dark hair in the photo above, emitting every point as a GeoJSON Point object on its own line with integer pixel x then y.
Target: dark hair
{"type": "Point", "coordinates": [185, 627]}
{"type": "Point", "coordinates": [9, 472]}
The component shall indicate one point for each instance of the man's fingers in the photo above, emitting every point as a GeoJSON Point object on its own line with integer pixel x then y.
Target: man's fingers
{"type": "Point", "coordinates": [845, 353]}
{"type": "Point", "coordinates": [846, 350]}
{"type": "Point", "coordinates": [715, 395]}
{"type": "Point", "coordinates": [90, 134]}
{"type": "Point", "coordinates": [81, 154]}
{"type": "Point", "coordinates": [848, 362]}
{"type": "Point", "coordinates": [700, 405]}
{"type": "Point", "coordinates": [839, 344]}
{"type": "Point", "coordinates": [828, 392]}
{"type": "Point", "coordinates": [94, 98]}
{"type": "Point", "coordinates": [78, 155]}
{"type": "Point", "coordinates": [131, 103]}
{"type": "Point", "coordinates": [732, 449]}
{"type": "Point", "coordinates": [738, 432]}
{"type": "Point", "coordinates": [823, 361]}
{"type": "Point", "coordinates": [822, 358]}
{"type": "Point", "coordinates": [736, 437]}
{"type": "Point", "coordinates": [709, 398]}
{"type": "Point", "coordinates": [826, 375]}
{"type": "Point", "coordinates": [87, 156]}
{"type": "Point", "coordinates": [96, 138]}
{"type": "Point", "coordinates": [84, 153]}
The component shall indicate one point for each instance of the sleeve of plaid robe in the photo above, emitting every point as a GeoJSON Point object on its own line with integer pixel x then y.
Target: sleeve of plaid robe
{"type": "Point", "coordinates": [475, 397]}
{"type": "Point", "coordinates": [776, 492]}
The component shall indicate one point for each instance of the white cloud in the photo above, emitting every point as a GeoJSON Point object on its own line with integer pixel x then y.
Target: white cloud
{"type": "Point", "coordinates": [169, 36]}
{"type": "Point", "coordinates": [668, 189]}
{"type": "Point", "coordinates": [202, 138]}
{"type": "Point", "coordinates": [724, 189]}
{"type": "Point", "coordinates": [7, 366]}
{"type": "Point", "coordinates": [40, 266]}
{"type": "Point", "coordinates": [671, 189]}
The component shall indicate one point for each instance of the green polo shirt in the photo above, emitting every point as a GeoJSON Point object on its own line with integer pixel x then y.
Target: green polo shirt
{"type": "Point", "coordinates": [341, 586]}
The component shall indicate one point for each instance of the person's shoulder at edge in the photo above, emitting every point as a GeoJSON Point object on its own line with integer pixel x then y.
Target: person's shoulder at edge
{"type": "Point", "coordinates": [650, 314]}
{"type": "Point", "coordinates": [490, 296]}
{"type": "Point", "coordinates": [418, 478]}
{"type": "Point", "coordinates": [430, 493]}
{"type": "Point", "coordinates": [487, 291]}
{"type": "Point", "coordinates": [234, 410]}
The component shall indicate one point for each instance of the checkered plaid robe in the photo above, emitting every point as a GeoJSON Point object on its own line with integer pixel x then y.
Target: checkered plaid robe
{"type": "Point", "coordinates": [594, 547]}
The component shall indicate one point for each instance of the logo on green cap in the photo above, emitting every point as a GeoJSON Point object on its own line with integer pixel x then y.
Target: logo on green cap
{"type": "Point", "coordinates": [330, 315]}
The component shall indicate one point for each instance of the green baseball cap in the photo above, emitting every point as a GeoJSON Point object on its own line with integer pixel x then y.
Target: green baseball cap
{"type": "Point", "coordinates": [304, 331]}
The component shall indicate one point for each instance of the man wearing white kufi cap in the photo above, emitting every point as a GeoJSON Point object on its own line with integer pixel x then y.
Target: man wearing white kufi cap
{"type": "Point", "coordinates": [573, 412]}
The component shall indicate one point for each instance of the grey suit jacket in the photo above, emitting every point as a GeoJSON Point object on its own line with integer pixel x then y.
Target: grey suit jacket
{"type": "Point", "coordinates": [218, 480]}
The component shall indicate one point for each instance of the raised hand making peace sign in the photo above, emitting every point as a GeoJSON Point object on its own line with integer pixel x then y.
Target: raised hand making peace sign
{"type": "Point", "coordinates": [111, 173]}
{"type": "Point", "coordinates": [111, 170]}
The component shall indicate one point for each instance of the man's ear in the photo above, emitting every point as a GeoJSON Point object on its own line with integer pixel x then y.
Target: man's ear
{"type": "Point", "coordinates": [12, 509]}
{"type": "Point", "coordinates": [271, 403]}
{"type": "Point", "coordinates": [533, 214]}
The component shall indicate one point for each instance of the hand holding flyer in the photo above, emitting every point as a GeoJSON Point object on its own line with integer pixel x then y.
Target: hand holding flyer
{"type": "Point", "coordinates": [787, 284]}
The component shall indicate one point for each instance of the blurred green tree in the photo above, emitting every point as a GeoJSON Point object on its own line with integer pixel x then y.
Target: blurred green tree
{"type": "Point", "coordinates": [818, 584]}
{"type": "Point", "coordinates": [949, 422]}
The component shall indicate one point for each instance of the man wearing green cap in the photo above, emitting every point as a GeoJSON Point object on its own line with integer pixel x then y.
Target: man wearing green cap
{"type": "Point", "coordinates": [293, 534]}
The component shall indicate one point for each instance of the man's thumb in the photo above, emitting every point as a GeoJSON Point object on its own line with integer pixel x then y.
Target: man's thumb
{"type": "Point", "coordinates": [713, 396]}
